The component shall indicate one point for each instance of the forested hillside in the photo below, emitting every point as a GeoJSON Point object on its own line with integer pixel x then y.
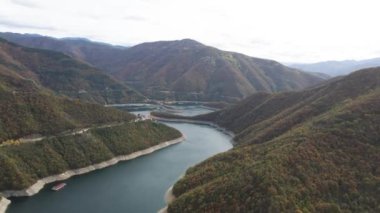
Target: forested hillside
{"type": "Point", "coordinates": [311, 151]}
{"type": "Point", "coordinates": [98, 54]}
{"type": "Point", "coordinates": [64, 75]}
{"type": "Point", "coordinates": [186, 69]}
{"type": "Point", "coordinates": [270, 115]}
{"type": "Point", "coordinates": [21, 165]}
{"type": "Point", "coordinates": [27, 109]}
{"type": "Point", "coordinates": [179, 70]}
{"type": "Point", "coordinates": [70, 134]}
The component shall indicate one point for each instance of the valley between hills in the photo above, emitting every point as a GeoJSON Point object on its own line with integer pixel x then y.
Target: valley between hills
{"type": "Point", "coordinates": [301, 142]}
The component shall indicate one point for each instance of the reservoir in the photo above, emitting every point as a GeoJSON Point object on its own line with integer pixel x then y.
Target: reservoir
{"type": "Point", "coordinates": [132, 186]}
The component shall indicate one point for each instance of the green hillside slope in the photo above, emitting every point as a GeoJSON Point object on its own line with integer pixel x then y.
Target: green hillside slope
{"type": "Point", "coordinates": [311, 151]}
{"type": "Point", "coordinates": [98, 54]}
{"type": "Point", "coordinates": [68, 134]}
{"type": "Point", "coordinates": [187, 69]}
{"type": "Point", "coordinates": [179, 70]}
{"type": "Point", "coordinates": [64, 75]}
{"type": "Point", "coordinates": [34, 110]}
{"type": "Point", "coordinates": [21, 165]}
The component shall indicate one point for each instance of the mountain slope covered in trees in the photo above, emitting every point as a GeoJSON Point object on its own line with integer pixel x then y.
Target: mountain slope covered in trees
{"type": "Point", "coordinates": [63, 74]}
{"type": "Point", "coordinates": [30, 110]}
{"type": "Point", "coordinates": [98, 54]}
{"type": "Point", "coordinates": [27, 108]}
{"type": "Point", "coordinates": [312, 151]}
{"type": "Point", "coordinates": [181, 70]}
{"type": "Point", "coordinates": [193, 70]}
{"type": "Point", "coordinates": [21, 165]}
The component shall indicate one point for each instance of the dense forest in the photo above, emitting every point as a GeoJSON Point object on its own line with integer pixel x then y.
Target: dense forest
{"type": "Point", "coordinates": [44, 114]}
{"type": "Point", "coordinates": [311, 151]}
{"type": "Point", "coordinates": [64, 75]}
{"type": "Point", "coordinates": [23, 164]}
{"type": "Point", "coordinates": [31, 108]}
{"type": "Point", "coordinates": [181, 69]}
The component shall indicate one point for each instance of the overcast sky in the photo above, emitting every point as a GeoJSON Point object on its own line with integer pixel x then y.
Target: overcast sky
{"type": "Point", "coordinates": [284, 30]}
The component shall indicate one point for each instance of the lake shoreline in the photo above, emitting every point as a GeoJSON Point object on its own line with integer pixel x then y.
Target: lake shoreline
{"type": "Point", "coordinates": [4, 203]}
{"type": "Point", "coordinates": [179, 120]}
{"type": "Point", "coordinates": [169, 197]}
{"type": "Point", "coordinates": [35, 188]}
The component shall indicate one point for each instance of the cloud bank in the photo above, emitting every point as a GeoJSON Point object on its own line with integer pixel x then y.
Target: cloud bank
{"type": "Point", "coordinates": [288, 31]}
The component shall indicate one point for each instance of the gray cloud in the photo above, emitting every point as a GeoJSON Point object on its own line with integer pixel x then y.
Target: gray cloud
{"type": "Point", "coordinates": [14, 24]}
{"type": "Point", "coordinates": [376, 53]}
{"type": "Point", "coordinates": [25, 3]}
{"type": "Point", "coordinates": [134, 18]}
{"type": "Point", "coordinates": [259, 42]}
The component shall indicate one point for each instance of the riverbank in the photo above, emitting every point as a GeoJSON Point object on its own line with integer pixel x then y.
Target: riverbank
{"type": "Point", "coordinates": [4, 204]}
{"type": "Point", "coordinates": [35, 188]}
{"type": "Point", "coordinates": [169, 197]}
{"type": "Point", "coordinates": [179, 120]}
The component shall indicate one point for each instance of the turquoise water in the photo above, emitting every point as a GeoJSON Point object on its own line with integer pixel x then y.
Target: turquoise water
{"type": "Point", "coordinates": [134, 186]}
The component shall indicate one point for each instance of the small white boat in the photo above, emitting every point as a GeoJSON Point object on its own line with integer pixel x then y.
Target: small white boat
{"type": "Point", "coordinates": [58, 187]}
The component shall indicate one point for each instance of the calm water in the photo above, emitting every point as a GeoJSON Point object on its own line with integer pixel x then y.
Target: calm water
{"type": "Point", "coordinates": [134, 186]}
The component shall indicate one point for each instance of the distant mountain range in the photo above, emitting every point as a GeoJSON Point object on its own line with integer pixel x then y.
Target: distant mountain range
{"type": "Point", "coordinates": [96, 53]}
{"type": "Point", "coordinates": [181, 70]}
{"type": "Point", "coordinates": [335, 68]}
{"type": "Point", "coordinates": [315, 150]}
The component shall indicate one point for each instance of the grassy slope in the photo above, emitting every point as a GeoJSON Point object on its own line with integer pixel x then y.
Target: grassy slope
{"type": "Point", "coordinates": [21, 165]}
{"type": "Point", "coordinates": [317, 156]}
{"type": "Point", "coordinates": [63, 74]}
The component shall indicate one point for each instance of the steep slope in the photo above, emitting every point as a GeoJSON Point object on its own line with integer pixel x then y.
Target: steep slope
{"type": "Point", "coordinates": [64, 75]}
{"type": "Point", "coordinates": [184, 70]}
{"type": "Point", "coordinates": [335, 68]}
{"type": "Point", "coordinates": [42, 134]}
{"type": "Point", "coordinates": [311, 151]}
{"type": "Point", "coordinates": [27, 109]}
{"type": "Point", "coordinates": [193, 70]}
{"type": "Point", "coordinates": [266, 115]}
{"type": "Point", "coordinates": [21, 165]}
{"type": "Point", "coordinates": [101, 55]}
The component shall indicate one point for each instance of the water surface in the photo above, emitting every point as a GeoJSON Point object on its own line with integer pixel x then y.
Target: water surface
{"type": "Point", "coordinates": [133, 186]}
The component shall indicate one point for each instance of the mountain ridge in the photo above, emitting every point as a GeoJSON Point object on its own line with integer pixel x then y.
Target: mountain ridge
{"type": "Point", "coordinates": [189, 66]}
{"type": "Point", "coordinates": [63, 74]}
{"type": "Point", "coordinates": [336, 68]}
{"type": "Point", "coordinates": [308, 151]}
{"type": "Point", "coordinates": [188, 70]}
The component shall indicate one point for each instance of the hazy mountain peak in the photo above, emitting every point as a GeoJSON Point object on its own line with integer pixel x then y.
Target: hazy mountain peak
{"type": "Point", "coordinates": [335, 68]}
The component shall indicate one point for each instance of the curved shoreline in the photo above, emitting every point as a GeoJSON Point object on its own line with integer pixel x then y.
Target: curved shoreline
{"type": "Point", "coordinates": [169, 197]}
{"type": "Point", "coordinates": [35, 188]}
{"type": "Point", "coordinates": [4, 204]}
{"type": "Point", "coordinates": [178, 120]}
